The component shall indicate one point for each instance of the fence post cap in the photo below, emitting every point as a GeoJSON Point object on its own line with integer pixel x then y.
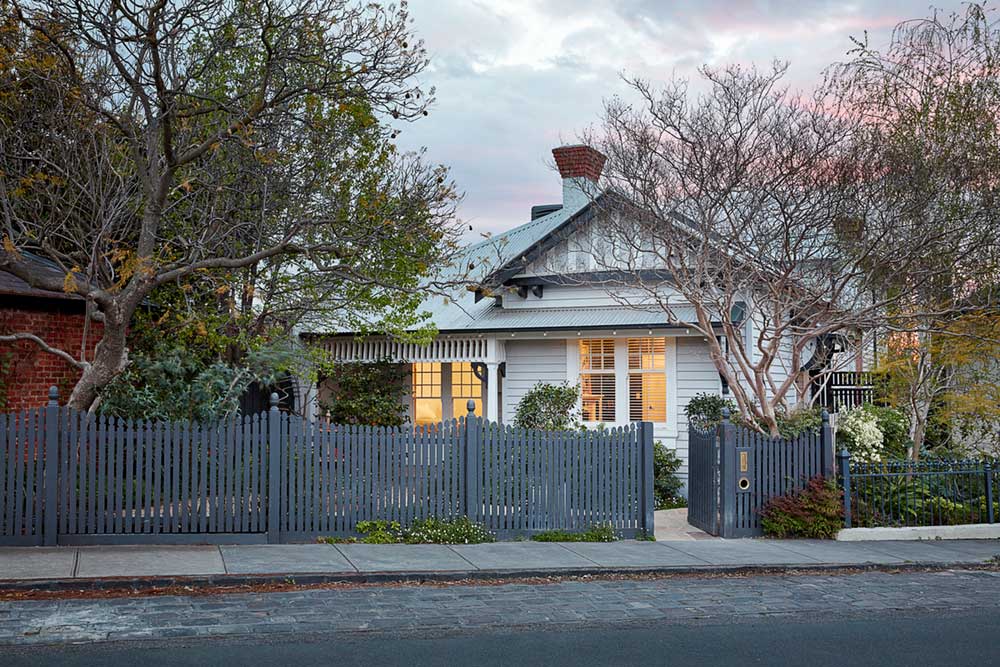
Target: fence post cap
{"type": "Point", "coordinates": [274, 400]}
{"type": "Point", "coordinates": [843, 453]}
{"type": "Point", "coordinates": [825, 415]}
{"type": "Point", "coordinates": [470, 405]}
{"type": "Point", "coordinates": [53, 395]}
{"type": "Point", "coordinates": [725, 414]}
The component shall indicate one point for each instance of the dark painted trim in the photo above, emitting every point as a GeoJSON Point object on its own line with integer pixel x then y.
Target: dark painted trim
{"type": "Point", "coordinates": [43, 304]}
{"type": "Point", "coordinates": [591, 278]}
{"type": "Point", "coordinates": [596, 327]}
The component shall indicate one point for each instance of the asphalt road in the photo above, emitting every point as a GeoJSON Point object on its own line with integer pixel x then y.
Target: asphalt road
{"type": "Point", "coordinates": [881, 638]}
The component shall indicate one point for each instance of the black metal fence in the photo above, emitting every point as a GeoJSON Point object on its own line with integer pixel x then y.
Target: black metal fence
{"type": "Point", "coordinates": [734, 471]}
{"type": "Point", "coordinates": [918, 493]}
{"type": "Point", "coordinates": [70, 477]}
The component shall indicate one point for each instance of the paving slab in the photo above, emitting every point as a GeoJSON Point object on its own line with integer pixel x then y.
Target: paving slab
{"type": "Point", "coordinates": [975, 549]}
{"type": "Point", "coordinates": [404, 558]}
{"type": "Point", "coordinates": [633, 554]}
{"type": "Point", "coordinates": [522, 556]}
{"type": "Point", "coordinates": [830, 552]}
{"type": "Point", "coordinates": [741, 552]}
{"type": "Point", "coordinates": [284, 559]}
{"type": "Point", "coordinates": [37, 562]}
{"type": "Point", "coordinates": [922, 551]}
{"type": "Point", "coordinates": [128, 561]}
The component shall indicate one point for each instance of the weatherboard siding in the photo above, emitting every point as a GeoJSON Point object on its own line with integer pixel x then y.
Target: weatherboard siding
{"type": "Point", "coordinates": [528, 363]}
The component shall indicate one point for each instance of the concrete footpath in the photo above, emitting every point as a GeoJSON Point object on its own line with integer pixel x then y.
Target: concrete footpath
{"type": "Point", "coordinates": [96, 566]}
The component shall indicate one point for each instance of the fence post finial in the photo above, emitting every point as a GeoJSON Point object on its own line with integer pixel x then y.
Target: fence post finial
{"type": "Point", "coordinates": [725, 414]}
{"type": "Point", "coordinates": [470, 406]}
{"type": "Point", "coordinates": [825, 414]}
{"type": "Point", "coordinates": [274, 400]}
{"type": "Point", "coordinates": [53, 395]}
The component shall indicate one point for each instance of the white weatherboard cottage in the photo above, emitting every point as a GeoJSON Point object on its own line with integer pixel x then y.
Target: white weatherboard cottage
{"type": "Point", "coordinates": [531, 324]}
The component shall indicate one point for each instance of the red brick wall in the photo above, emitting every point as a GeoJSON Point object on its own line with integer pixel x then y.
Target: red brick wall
{"type": "Point", "coordinates": [30, 371]}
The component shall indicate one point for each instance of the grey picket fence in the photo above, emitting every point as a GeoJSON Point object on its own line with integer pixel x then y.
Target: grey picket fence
{"type": "Point", "coordinates": [70, 477]}
{"type": "Point", "coordinates": [734, 471]}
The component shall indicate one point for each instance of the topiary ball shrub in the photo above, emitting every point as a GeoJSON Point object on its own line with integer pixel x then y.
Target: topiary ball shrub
{"type": "Point", "coordinates": [816, 511]}
{"type": "Point", "coordinates": [704, 410]}
{"type": "Point", "coordinates": [550, 407]}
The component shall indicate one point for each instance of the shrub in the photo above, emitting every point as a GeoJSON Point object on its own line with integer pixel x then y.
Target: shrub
{"type": "Point", "coordinates": [367, 393]}
{"type": "Point", "coordinates": [596, 533]}
{"type": "Point", "coordinates": [379, 532]}
{"type": "Point", "coordinates": [704, 411]}
{"type": "Point", "coordinates": [460, 530]}
{"type": "Point", "coordinates": [549, 407]}
{"type": "Point", "coordinates": [666, 483]}
{"type": "Point", "coordinates": [817, 511]}
{"type": "Point", "coordinates": [860, 434]}
{"type": "Point", "coordinates": [447, 531]}
{"type": "Point", "coordinates": [799, 420]}
{"type": "Point", "coordinates": [894, 426]}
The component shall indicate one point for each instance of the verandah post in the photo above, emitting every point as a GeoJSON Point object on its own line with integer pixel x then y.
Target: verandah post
{"type": "Point", "coordinates": [648, 505]}
{"type": "Point", "coordinates": [51, 462]}
{"type": "Point", "coordinates": [844, 459]}
{"type": "Point", "coordinates": [273, 471]}
{"type": "Point", "coordinates": [470, 476]}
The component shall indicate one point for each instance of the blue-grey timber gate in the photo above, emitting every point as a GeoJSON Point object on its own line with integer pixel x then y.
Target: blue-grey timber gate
{"type": "Point", "coordinates": [70, 477]}
{"type": "Point", "coordinates": [733, 471]}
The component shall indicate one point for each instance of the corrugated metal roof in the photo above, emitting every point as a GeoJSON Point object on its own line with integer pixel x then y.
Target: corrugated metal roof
{"type": "Point", "coordinates": [460, 311]}
{"type": "Point", "coordinates": [597, 317]}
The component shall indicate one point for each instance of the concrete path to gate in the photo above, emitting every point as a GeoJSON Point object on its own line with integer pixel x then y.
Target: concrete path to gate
{"type": "Point", "coordinates": [68, 566]}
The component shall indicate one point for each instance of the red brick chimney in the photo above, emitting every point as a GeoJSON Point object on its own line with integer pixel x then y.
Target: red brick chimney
{"type": "Point", "coordinates": [579, 161]}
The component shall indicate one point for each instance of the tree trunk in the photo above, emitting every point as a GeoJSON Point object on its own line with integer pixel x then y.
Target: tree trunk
{"type": "Point", "coordinates": [110, 359]}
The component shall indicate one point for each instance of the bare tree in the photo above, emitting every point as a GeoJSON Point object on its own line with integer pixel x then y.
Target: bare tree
{"type": "Point", "coordinates": [760, 219]}
{"type": "Point", "coordinates": [243, 140]}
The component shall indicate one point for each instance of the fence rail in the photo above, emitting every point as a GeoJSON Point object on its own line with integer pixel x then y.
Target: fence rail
{"type": "Point", "coordinates": [917, 493]}
{"type": "Point", "coordinates": [69, 477]}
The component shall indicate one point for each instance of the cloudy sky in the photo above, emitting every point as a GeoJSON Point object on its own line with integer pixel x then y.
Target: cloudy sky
{"type": "Point", "coordinates": [516, 78]}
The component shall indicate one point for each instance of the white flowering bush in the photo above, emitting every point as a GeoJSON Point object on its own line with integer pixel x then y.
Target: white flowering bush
{"type": "Point", "coordinates": [858, 430]}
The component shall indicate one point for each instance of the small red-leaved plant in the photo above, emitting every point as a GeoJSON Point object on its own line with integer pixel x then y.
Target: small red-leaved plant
{"type": "Point", "coordinates": [815, 511]}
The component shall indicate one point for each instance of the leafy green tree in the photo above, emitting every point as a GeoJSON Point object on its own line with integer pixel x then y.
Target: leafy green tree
{"type": "Point", "coordinates": [245, 152]}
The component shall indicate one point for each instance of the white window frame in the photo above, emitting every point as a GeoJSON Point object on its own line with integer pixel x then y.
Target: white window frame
{"type": "Point", "coordinates": [665, 430]}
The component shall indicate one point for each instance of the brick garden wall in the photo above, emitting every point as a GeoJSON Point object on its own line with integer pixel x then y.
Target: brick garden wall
{"type": "Point", "coordinates": [27, 371]}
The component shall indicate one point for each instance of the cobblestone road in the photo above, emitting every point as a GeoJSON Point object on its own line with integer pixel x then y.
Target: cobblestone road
{"type": "Point", "coordinates": [411, 608]}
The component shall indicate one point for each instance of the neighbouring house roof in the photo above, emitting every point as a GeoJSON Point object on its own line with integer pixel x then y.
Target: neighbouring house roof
{"type": "Point", "coordinates": [11, 285]}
